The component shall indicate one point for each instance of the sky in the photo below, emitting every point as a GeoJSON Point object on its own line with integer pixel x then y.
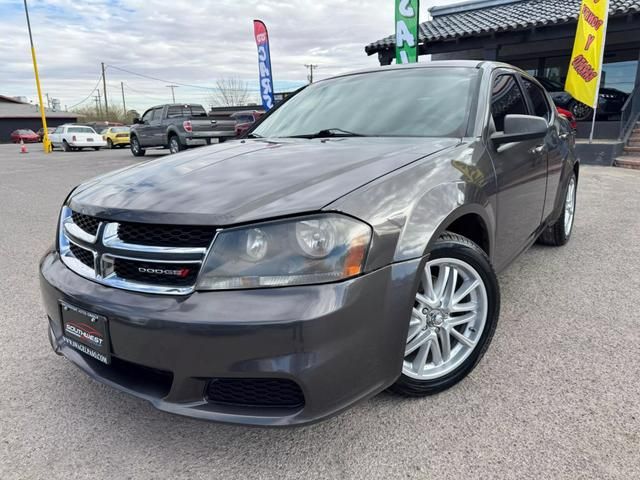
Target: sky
{"type": "Point", "coordinates": [193, 42]}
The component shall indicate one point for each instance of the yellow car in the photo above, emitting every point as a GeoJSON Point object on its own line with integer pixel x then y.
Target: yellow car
{"type": "Point", "coordinates": [116, 136]}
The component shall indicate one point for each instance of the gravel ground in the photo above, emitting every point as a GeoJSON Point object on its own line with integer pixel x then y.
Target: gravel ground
{"type": "Point", "coordinates": [556, 396]}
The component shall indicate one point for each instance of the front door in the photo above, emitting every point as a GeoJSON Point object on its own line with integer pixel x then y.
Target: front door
{"type": "Point", "coordinates": [521, 174]}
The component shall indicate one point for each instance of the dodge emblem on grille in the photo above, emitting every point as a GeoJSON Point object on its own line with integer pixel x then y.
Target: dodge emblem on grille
{"type": "Point", "coordinates": [182, 272]}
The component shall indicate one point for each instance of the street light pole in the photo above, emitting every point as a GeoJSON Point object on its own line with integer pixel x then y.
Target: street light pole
{"type": "Point", "coordinates": [46, 144]}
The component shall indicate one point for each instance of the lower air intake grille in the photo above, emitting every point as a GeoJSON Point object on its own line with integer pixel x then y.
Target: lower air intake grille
{"type": "Point", "coordinates": [255, 392]}
{"type": "Point", "coordinates": [84, 256]}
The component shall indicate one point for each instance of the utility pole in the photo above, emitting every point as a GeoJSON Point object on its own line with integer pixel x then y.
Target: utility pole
{"type": "Point", "coordinates": [48, 100]}
{"type": "Point", "coordinates": [99, 103]}
{"type": "Point", "coordinates": [124, 104]}
{"type": "Point", "coordinates": [311, 68]}
{"type": "Point", "coordinates": [173, 95]}
{"type": "Point", "coordinates": [104, 86]}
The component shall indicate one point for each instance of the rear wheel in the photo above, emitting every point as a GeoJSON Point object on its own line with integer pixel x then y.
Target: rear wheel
{"type": "Point", "coordinates": [174, 144]}
{"type": "Point", "coordinates": [96, 148]}
{"type": "Point", "coordinates": [109, 143]}
{"type": "Point", "coordinates": [453, 319]}
{"type": "Point", "coordinates": [559, 233]}
{"type": "Point", "coordinates": [136, 149]}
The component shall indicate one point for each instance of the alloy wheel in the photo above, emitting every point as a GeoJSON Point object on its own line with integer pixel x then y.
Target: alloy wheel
{"type": "Point", "coordinates": [173, 145]}
{"type": "Point", "coordinates": [447, 321]}
{"type": "Point", "coordinates": [570, 206]}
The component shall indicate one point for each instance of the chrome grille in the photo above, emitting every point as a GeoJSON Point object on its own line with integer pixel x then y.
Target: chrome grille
{"type": "Point", "coordinates": [132, 256]}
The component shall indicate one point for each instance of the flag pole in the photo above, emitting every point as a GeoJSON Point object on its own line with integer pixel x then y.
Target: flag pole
{"type": "Point", "coordinates": [597, 101]}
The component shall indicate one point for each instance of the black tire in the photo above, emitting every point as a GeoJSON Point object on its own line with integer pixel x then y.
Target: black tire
{"type": "Point", "coordinates": [109, 144]}
{"type": "Point", "coordinates": [65, 146]}
{"type": "Point", "coordinates": [581, 111]}
{"type": "Point", "coordinates": [556, 234]}
{"type": "Point", "coordinates": [136, 149]}
{"type": "Point", "coordinates": [97, 149]}
{"type": "Point", "coordinates": [451, 245]}
{"type": "Point", "coordinates": [174, 144]}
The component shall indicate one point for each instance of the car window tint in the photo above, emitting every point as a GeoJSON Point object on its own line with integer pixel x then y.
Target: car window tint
{"type": "Point", "coordinates": [538, 100]}
{"type": "Point", "coordinates": [157, 115]}
{"type": "Point", "coordinates": [506, 99]}
{"type": "Point", "coordinates": [80, 130]}
{"type": "Point", "coordinates": [174, 112]}
{"type": "Point", "coordinates": [416, 102]}
{"type": "Point", "coordinates": [198, 111]}
{"type": "Point", "coordinates": [147, 115]}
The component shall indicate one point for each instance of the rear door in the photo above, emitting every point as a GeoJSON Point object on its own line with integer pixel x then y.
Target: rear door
{"type": "Point", "coordinates": [542, 107]}
{"type": "Point", "coordinates": [521, 172]}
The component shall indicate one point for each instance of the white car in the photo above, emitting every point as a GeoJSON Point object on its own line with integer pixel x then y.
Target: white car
{"type": "Point", "coordinates": [72, 137]}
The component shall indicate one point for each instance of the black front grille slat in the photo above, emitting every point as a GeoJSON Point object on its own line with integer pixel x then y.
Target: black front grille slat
{"type": "Point", "coordinates": [156, 273]}
{"type": "Point", "coordinates": [83, 255]}
{"type": "Point", "coordinates": [166, 235]}
{"type": "Point", "coordinates": [255, 392]}
{"type": "Point", "coordinates": [86, 223]}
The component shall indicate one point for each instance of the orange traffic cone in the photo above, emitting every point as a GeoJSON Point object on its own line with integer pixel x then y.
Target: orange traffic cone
{"type": "Point", "coordinates": [23, 147]}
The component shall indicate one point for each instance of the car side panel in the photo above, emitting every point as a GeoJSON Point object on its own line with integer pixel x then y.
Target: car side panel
{"type": "Point", "coordinates": [409, 208]}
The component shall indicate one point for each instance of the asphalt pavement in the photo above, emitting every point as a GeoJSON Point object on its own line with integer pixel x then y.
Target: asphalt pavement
{"type": "Point", "coordinates": [556, 396]}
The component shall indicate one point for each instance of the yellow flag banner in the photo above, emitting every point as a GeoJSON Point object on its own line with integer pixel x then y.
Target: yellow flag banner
{"type": "Point", "coordinates": [585, 69]}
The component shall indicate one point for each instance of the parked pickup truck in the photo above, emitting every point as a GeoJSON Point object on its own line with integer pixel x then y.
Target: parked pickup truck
{"type": "Point", "coordinates": [178, 126]}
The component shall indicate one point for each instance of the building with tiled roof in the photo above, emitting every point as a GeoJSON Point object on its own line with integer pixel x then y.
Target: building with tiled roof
{"type": "Point", "coordinates": [537, 36]}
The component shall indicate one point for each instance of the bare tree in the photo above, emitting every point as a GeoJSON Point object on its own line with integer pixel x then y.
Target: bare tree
{"type": "Point", "coordinates": [230, 92]}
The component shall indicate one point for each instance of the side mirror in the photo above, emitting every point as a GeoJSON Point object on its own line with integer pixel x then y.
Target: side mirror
{"type": "Point", "coordinates": [518, 128]}
{"type": "Point", "coordinates": [136, 121]}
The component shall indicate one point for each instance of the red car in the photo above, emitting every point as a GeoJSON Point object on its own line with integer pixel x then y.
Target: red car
{"type": "Point", "coordinates": [244, 120]}
{"type": "Point", "coordinates": [569, 116]}
{"type": "Point", "coordinates": [27, 136]}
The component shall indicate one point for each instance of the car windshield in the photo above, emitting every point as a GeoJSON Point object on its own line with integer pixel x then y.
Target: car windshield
{"type": "Point", "coordinates": [414, 102]}
{"type": "Point", "coordinates": [80, 130]}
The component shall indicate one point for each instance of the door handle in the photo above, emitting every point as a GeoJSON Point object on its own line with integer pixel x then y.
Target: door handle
{"type": "Point", "coordinates": [538, 150]}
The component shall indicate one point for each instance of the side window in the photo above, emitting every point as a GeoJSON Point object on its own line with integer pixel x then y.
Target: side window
{"type": "Point", "coordinates": [174, 112]}
{"type": "Point", "coordinates": [538, 100]}
{"type": "Point", "coordinates": [506, 99]}
{"type": "Point", "coordinates": [157, 115]}
{"type": "Point", "coordinates": [147, 115]}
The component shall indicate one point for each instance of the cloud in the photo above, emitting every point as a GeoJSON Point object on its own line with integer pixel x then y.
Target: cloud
{"type": "Point", "coordinates": [182, 41]}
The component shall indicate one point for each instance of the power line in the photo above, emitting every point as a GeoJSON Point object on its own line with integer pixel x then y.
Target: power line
{"type": "Point", "coordinates": [88, 96]}
{"type": "Point", "coordinates": [165, 81]}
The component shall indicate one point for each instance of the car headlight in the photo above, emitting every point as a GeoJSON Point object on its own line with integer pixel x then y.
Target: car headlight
{"type": "Point", "coordinates": [313, 249]}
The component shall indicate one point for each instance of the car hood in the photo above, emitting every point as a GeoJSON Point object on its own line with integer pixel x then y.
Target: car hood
{"type": "Point", "coordinates": [242, 181]}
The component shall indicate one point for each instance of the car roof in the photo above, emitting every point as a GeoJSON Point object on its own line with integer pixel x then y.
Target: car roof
{"type": "Point", "coordinates": [479, 64]}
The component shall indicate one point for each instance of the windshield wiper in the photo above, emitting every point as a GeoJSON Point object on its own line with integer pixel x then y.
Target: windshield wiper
{"type": "Point", "coordinates": [329, 132]}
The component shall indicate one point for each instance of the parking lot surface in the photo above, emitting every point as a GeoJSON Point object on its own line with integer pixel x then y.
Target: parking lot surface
{"type": "Point", "coordinates": [556, 396]}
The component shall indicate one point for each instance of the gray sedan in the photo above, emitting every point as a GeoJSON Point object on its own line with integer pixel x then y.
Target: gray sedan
{"type": "Point", "coordinates": [348, 244]}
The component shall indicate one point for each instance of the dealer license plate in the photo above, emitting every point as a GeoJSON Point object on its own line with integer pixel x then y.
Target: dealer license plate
{"type": "Point", "coordinates": [86, 332]}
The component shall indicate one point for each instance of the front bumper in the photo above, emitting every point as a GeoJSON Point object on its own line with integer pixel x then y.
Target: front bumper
{"type": "Point", "coordinates": [339, 342]}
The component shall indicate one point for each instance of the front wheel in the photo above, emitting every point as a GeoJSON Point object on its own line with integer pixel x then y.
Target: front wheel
{"type": "Point", "coordinates": [109, 144]}
{"type": "Point", "coordinates": [65, 146]}
{"type": "Point", "coordinates": [453, 319]}
{"type": "Point", "coordinates": [136, 149]}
